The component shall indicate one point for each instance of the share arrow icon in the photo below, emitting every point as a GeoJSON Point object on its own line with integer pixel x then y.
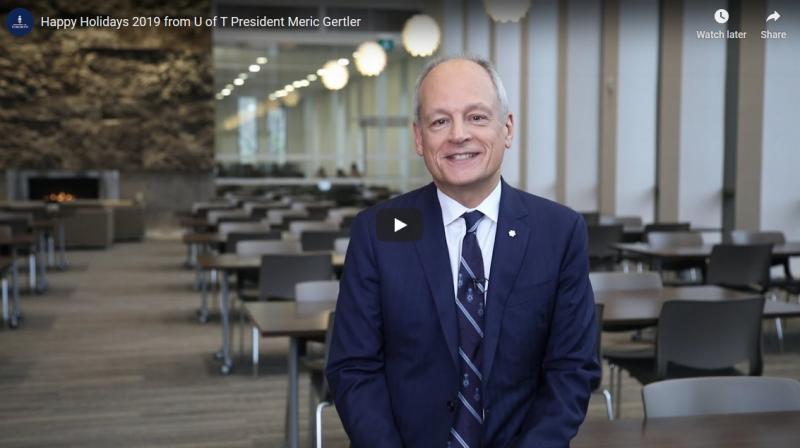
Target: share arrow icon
{"type": "Point", "coordinates": [774, 16]}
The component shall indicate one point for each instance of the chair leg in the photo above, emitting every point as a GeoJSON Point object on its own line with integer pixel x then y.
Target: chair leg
{"type": "Point", "coordinates": [320, 408]}
{"type": "Point", "coordinates": [609, 404]}
{"type": "Point", "coordinates": [256, 337]}
{"type": "Point", "coordinates": [779, 332]}
{"type": "Point", "coordinates": [5, 299]}
{"type": "Point", "coordinates": [616, 372]}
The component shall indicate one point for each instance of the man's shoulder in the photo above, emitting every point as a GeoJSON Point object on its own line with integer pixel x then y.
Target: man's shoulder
{"type": "Point", "coordinates": [542, 209]}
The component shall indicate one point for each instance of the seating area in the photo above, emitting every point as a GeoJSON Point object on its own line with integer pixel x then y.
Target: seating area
{"type": "Point", "coordinates": [237, 223]}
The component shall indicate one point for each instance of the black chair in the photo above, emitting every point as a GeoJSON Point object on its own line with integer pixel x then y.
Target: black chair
{"type": "Point", "coordinates": [319, 240]}
{"type": "Point", "coordinates": [280, 273]}
{"type": "Point", "coordinates": [740, 266]}
{"type": "Point", "coordinates": [601, 255]}
{"type": "Point", "coordinates": [788, 282]}
{"type": "Point", "coordinates": [672, 239]}
{"type": "Point", "coordinates": [695, 338]}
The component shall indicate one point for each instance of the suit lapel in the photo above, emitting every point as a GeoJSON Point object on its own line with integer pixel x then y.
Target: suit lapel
{"type": "Point", "coordinates": [507, 258]}
{"type": "Point", "coordinates": [435, 259]}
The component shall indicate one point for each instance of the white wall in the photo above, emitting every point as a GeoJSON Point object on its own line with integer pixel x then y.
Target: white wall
{"type": "Point", "coordinates": [508, 62]}
{"type": "Point", "coordinates": [637, 85]}
{"type": "Point", "coordinates": [541, 113]}
{"type": "Point", "coordinates": [583, 104]}
{"type": "Point", "coordinates": [702, 117]}
{"type": "Point", "coordinates": [478, 28]}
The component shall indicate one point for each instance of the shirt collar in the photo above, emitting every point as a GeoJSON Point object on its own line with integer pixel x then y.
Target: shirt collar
{"type": "Point", "coordinates": [452, 209]}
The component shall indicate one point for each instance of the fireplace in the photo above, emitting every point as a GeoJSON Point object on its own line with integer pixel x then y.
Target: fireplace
{"type": "Point", "coordinates": [62, 186]}
{"type": "Point", "coordinates": [63, 189]}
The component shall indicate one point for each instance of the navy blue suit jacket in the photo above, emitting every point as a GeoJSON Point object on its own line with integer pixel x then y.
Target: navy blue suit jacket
{"type": "Point", "coordinates": [393, 364]}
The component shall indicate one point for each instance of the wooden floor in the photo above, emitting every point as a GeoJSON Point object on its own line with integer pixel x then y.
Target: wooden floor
{"type": "Point", "coordinates": [112, 356]}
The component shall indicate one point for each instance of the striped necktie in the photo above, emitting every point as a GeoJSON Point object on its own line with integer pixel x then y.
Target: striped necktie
{"type": "Point", "coordinates": [468, 427]}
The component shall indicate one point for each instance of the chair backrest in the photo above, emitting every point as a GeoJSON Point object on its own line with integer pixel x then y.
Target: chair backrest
{"type": "Point", "coordinates": [628, 221]}
{"type": "Point", "coordinates": [5, 232]}
{"type": "Point", "coordinates": [317, 291]}
{"type": "Point", "coordinates": [258, 248]}
{"type": "Point", "coordinates": [708, 335]}
{"type": "Point", "coordinates": [227, 227]}
{"type": "Point", "coordinates": [234, 238]}
{"type": "Point", "coordinates": [674, 239]}
{"type": "Point", "coordinates": [667, 227]}
{"type": "Point", "coordinates": [340, 245]}
{"type": "Point", "coordinates": [601, 237]}
{"type": "Point", "coordinates": [18, 222]}
{"type": "Point", "coordinates": [296, 228]}
{"type": "Point", "coordinates": [277, 217]}
{"type": "Point", "coordinates": [623, 281]}
{"type": "Point", "coordinates": [316, 240]}
{"type": "Point", "coordinates": [740, 266]}
{"type": "Point", "coordinates": [280, 273]}
{"type": "Point", "coordinates": [214, 216]}
{"type": "Point", "coordinates": [689, 397]}
{"type": "Point", "coordinates": [748, 237]}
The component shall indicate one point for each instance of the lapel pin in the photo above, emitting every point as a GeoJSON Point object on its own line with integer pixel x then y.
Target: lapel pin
{"type": "Point", "coordinates": [512, 233]}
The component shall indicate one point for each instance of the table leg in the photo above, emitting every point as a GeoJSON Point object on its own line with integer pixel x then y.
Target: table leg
{"type": "Point", "coordinates": [4, 287]}
{"type": "Point", "coordinates": [202, 314]}
{"type": "Point", "coordinates": [51, 250]}
{"type": "Point", "coordinates": [293, 427]}
{"type": "Point", "coordinates": [41, 255]}
{"type": "Point", "coordinates": [32, 271]}
{"type": "Point", "coordinates": [14, 289]}
{"type": "Point", "coordinates": [256, 349]}
{"type": "Point", "coordinates": [227, 362]}
{"type": "Point", "coordinates": [62, 247]}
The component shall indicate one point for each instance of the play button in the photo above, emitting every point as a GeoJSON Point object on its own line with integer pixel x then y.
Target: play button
{"type": "Point", "coordinates": [399, 224]}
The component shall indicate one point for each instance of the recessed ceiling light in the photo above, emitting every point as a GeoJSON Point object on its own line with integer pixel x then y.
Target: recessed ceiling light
{"type": "Point", "coordinates": [225, 92]}
{"type": "Point", "coordinates": [297, 84]}
{"type": "Point", "coordinates": [229, 86]}
{"type": "Point", "coordinates": [238, 81]}
{"type": "Point", "coordinates": [288, 88]}
{"type": "Point", "coordinates": [261, 60]}
{"type": "Point", "coordinates": [311, 77]}
{"type": "Point", "coordinates": [320, 72]}
{"type": "Point", "coordinates": [303, 83]}
{"type": "Point", "coordinates": [343, 61]}
{"type": "Point", "coordinates": [242, 75]}
{"type": "Point", "coordinates": [219, 96]}
{"type": "Point", "coordinates": [254, 68]}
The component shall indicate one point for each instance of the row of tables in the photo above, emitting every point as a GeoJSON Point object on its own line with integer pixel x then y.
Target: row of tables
{"type": "Point", "coordinates": [300, 321]}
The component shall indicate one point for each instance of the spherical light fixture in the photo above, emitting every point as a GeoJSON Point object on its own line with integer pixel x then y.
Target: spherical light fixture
{"type": "Point", "coordinates": [225, 92]}
{"type": "Point", "coordinates": [421, 35]}
{"type": "Point", "coordinates": [506, 10]}
{"type": "Point", "coordinates": [311, 77]}
{"type": "Point", "coordinates": [334, 75]}
{"type": "Point", "coordinates": [238, 81]}
{"type": "Point", "coordinates": [370, 59]}
{"type": "Point", "coordinates": [254, 68]}
{"type": "Point", "coordinates": [291, 99]}
{"type": "Point", "coordinates": [261, 60]}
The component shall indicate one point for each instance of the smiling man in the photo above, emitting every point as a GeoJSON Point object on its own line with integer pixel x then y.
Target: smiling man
{"type": "Point", "coordinates": [481, 333]}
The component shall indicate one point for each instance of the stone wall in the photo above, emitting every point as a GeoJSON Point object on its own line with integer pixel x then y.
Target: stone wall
{"type": "Point", "coordinates": [135, 99]}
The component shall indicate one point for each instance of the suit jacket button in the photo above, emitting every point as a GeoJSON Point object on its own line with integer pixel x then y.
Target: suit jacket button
{"type": "Point", "coordinates": [451, 406]}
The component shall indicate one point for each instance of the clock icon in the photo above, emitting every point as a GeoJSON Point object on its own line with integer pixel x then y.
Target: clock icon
{"type": "Point", "coordinates": [721, 16]}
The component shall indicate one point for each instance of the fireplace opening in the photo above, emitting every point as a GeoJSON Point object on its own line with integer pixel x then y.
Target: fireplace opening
{"type": "Point", "coordinates": [63, 189]}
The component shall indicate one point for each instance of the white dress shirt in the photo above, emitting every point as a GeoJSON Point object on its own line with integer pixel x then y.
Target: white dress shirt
{"type": "Point", "coordinates": [455, 228]}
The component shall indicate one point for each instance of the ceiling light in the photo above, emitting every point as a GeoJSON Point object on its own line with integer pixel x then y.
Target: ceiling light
{"type": "Point", "coordinates": [335, 75]}
{"type": "Point", "coordinates": [291, 99]}
{"type": "Point", "coordinates": [242, 76]}
{"type": "Point", "coordinates": [297, 84]}
{"type": "Point", "coordinates": [370, 59]}
{"type": "Point", "coordinates": [320, 72]}
{"type": "Point", "coordinates": [219, 96]}
{"type": "Point", "coordinates": [225, 92]}
{"type": "Point", "coordinates": [421, 35]}
{"type": "Point", "coordinates": [281, 93]}
{"type": "Point", "coordinates": [238, 81]}
{"type": "Point", "coordinates": [261, 60]}
{"type": "Point", "coordinates": [254, 68]}
{"type": "Point", "coordinates": [303, 83]}
{"type": "Point", "coordinates": [229, 86]}
{"type": "Point", "coordinates": [343, 62]}
{"type": "Point", "coordinates": [311, 77]}
{"type": "Point", "coordinates": [506, 10]}
{"type": "Point", "coordinates": [288, 88]}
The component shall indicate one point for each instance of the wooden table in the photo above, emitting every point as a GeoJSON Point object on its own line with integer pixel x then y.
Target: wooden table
{"type": "Point", "coordinates": [696, 253]}
{"type": "Point", "coordinates": [767, 429]}
{"type": "Point", "coordinates": [297, 321]}
{"type": "Point", "coordinates": [227, 264]}
{"type": "Point", "coordinates": [643, 306]}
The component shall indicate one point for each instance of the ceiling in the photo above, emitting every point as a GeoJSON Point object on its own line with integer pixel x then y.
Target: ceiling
{"type": "Point", "coordinates": [295, 53]}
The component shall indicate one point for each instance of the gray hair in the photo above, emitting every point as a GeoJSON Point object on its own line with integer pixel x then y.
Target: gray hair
{"type": "Point", "coordinates": [499, 89]}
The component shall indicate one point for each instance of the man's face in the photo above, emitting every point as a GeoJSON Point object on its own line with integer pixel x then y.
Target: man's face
{"type": "Point", "coordinates": [461, 135]}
